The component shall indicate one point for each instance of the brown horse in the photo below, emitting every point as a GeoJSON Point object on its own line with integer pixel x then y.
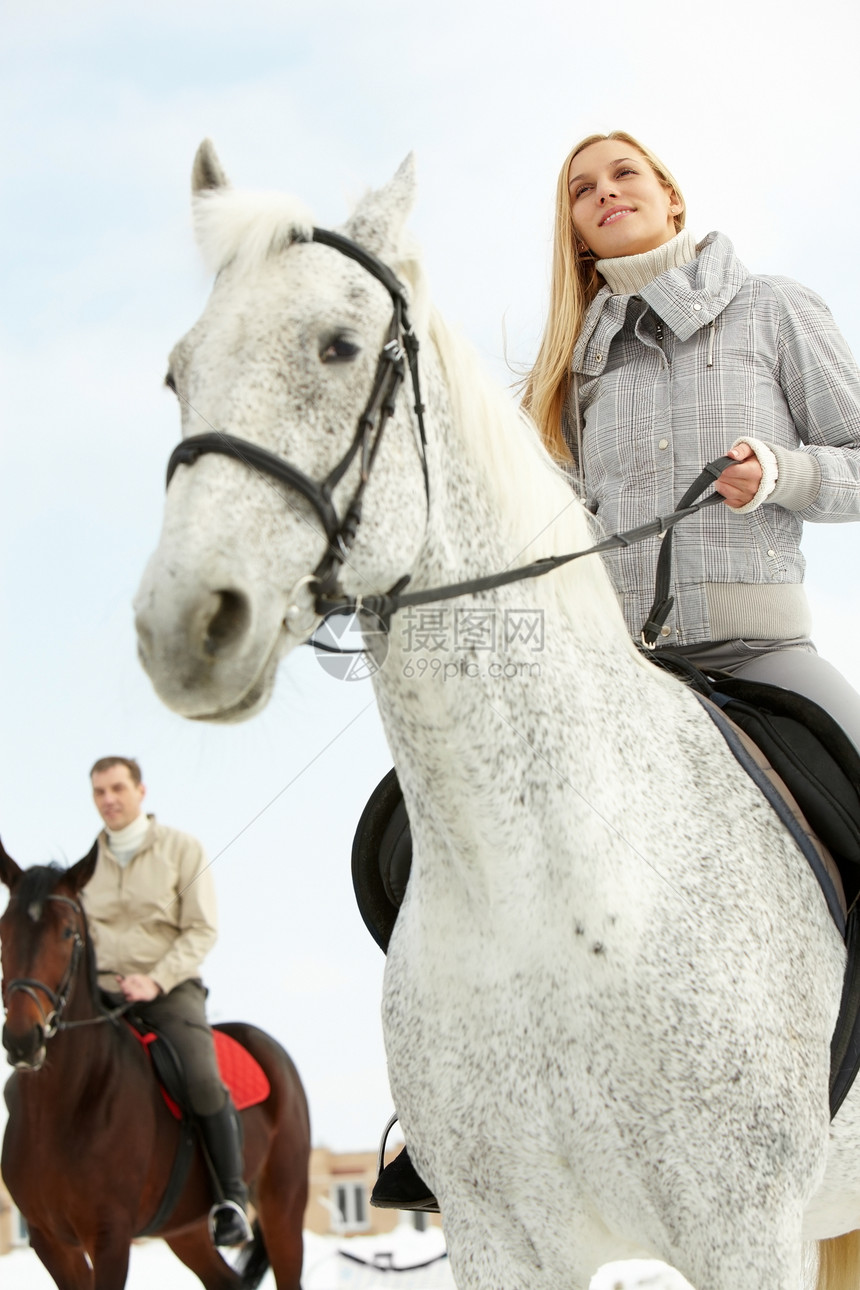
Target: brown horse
{"type": "Point", "coordinates": [90, 1144]}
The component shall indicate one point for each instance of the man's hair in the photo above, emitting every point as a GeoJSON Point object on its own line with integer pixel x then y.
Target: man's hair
{"type": "Point", "coordinates": [105, 763]}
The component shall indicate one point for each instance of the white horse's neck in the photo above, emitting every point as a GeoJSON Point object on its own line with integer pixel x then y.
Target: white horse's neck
{"type": "Point", "coordinates": [476, 691]}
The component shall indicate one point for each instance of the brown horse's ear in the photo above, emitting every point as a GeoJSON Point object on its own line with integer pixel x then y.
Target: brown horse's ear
{"type": "Point", "coordinates": [9, 871]}
{"type": "Point", "coordinates": [80, 873]}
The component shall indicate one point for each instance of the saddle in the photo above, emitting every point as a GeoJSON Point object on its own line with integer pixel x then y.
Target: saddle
{"type": "Point", "coordinates": [240, 1072]}
{"type": "Point", "coordinates": [795, 752]}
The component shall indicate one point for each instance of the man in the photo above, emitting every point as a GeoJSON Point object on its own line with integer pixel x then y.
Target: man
{"type": "Point", "coordinates": [151, 909]}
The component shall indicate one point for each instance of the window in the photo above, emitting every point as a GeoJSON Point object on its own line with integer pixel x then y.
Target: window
{"type": "Point", "coordinates": [20, 1231]}
{"type": "Point", "coordinates": [350, 1203]}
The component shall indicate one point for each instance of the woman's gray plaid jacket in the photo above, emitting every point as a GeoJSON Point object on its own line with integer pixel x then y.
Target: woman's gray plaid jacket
{"type": "Point", "coordinates": [667, 380]}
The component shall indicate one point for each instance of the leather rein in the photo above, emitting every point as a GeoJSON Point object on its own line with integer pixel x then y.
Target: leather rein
{"type": "Point", "coordinates": [402, 344]}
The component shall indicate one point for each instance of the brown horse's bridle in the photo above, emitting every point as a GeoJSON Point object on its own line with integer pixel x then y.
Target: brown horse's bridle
{"type": "Point", "coordinates": [59, 998]}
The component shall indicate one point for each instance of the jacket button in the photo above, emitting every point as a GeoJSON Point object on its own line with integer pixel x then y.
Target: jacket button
{"type": "Point", "coordinates": [771, 553]}
{"type": "Point", "coordinates": [697, 306]}
{"type": "Point", "coordinates": [665, 631]}
{"type": "Point", "coordinates": [664, 443]}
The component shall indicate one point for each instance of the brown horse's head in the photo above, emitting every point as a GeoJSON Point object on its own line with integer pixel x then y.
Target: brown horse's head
{"type": "Point", "coordinates": [42, 938]}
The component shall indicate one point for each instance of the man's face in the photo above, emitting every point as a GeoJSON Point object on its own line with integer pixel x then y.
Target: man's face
{"type": "Point", "coordinates": [118, 799]}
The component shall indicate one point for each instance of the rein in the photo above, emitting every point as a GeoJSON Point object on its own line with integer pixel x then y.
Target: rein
{"type": "Point", "coordinates": [329, 596]}
{"type": "Point", "coordinates": [52, 1021]}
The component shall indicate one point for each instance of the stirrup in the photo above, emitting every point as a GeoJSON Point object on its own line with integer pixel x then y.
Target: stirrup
{"type": "Point", "coordinates": [380, 1158]}
{"type": "Point", "coordinates": [234, 1213]}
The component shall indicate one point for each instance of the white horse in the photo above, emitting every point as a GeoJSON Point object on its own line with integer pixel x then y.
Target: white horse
{"type": "Point", "coordinates": [611, 988]}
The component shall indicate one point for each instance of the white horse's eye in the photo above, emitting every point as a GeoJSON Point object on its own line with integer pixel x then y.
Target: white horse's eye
{"type": "Point", "coordinates": [340, 349]}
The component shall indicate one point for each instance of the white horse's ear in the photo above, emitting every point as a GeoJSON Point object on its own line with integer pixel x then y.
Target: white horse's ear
{"type": "Point", "coordinates": [207, 172]}
{"type": "Point", "coordinates": [378, 219]}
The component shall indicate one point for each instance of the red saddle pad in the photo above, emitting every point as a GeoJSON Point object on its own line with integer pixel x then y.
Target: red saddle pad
{"type": "Point", "coordinates": [242, 1073]}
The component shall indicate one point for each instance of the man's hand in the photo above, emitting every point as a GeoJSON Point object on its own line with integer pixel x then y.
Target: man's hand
{"type": "Point", "coordinates": [739, 483]}
{"type": "Point", "coordinates": [138, 988]}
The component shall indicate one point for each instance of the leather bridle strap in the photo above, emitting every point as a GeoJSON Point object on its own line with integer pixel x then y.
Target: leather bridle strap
{"type": "Point", "coordinates": [252, 455]}
{"type": "Point", "coordinates": [57, 998]}
{"type": "Point", "coordinates": [401, 343]}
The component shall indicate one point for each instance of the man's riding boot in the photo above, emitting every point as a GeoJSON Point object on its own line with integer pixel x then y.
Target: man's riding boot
{"type": "Point", "coordinates": [400, 1187]}
{"type": "Point", "coordinates": [222, 1137]}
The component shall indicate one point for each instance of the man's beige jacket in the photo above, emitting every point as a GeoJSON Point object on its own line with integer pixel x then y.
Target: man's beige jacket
{"type": "Point", "coordinates": [156, 916]}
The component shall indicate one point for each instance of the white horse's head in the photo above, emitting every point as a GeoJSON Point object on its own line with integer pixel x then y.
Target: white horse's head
{"type": "Point", "coordinates": [284, 357]}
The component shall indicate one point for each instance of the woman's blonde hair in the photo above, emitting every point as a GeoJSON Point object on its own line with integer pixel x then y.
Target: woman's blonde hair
{"type": "Point", "coordinates": [575, 282]}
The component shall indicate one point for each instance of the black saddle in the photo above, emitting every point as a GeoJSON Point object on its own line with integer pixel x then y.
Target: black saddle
{"type": "Point", "coordinates": [805, 746]}
{"type": "Point", "coordinates": [382, 858]}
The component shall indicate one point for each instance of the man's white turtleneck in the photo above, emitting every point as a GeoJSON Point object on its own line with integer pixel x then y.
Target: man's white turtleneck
{"type": "Point", "coordinates": [125, 843]}
{"type": "Point", "coordinates": [627, 274]}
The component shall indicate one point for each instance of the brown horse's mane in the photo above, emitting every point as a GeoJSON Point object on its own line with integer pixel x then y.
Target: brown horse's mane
{"type": "Point", "coordinates": [37, 883]}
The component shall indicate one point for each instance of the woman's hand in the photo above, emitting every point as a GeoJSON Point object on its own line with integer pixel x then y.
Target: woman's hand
{"type": "Point", "coordinates": [739, 483]}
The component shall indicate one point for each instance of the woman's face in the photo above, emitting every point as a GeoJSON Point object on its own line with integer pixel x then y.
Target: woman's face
{"type": "Point", "coordinates": [619, 205]}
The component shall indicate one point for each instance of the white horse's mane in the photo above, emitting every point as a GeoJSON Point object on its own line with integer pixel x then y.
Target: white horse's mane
{"type": "Point", "coordinates": [544, 517]}
{"type": "Point", "coordinates": [246, 226]}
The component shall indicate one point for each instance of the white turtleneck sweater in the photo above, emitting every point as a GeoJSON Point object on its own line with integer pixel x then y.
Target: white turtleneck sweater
{"type": "Point", "coordinates": [125, 843]}
{"type": "Point", "coordinates": [627, 274]}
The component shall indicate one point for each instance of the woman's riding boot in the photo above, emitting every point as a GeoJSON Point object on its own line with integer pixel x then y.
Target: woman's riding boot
{"type": "Point", "coordinates": [222, 1137]}
{"type": "Point", "coordinates": [399, 1187]}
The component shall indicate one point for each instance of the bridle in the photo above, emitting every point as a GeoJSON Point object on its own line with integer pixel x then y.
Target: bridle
{"type": "Point", "coordinates": [402, 343]}
{"type": "Point", "coordinates": [400, 347]}
{"type": "Point", "coordinates": [59, 998]}
{"type": "Point", "coordinates": [52, 1021]}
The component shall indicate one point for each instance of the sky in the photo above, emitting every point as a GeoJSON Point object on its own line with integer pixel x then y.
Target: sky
{"type": "Point", "coordinates": [753, 107]}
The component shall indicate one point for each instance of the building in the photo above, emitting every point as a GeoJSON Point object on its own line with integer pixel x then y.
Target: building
{"type": "Point", "coordinates": [338, 1201]}
{"type": "Point", "coordinates": [339, 1196]}
{"type": "Point", "coordinates": [13, 1229]}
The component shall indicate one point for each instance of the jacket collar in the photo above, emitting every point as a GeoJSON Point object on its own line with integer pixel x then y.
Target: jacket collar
{"type": "Point", "coordinates": [149, 840]}
{"type": "Point", "coordinates": [685, 299]}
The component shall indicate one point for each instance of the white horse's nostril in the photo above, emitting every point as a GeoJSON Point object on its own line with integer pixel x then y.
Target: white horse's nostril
{"type": "Point", "coordinates": [229, 623]}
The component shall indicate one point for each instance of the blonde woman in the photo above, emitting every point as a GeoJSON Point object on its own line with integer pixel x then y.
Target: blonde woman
{"type": "Point", "coordinates": [661, 354]}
